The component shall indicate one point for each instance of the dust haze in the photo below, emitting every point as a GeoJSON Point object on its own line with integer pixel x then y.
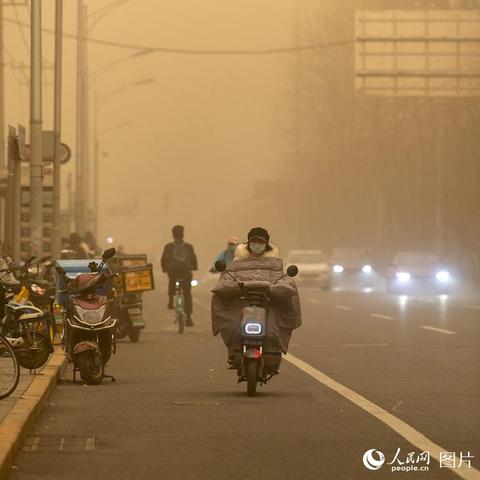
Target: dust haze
{"type": "Point", "coordinates": [223, 142]}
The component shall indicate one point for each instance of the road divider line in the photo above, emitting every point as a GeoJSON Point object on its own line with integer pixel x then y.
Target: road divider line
{"type": "Point", "coordinates": [90, 443]}
{"type": "Point", "coordinates": [439, 330]}
{"type": "Point", "coordinates": [472, 307]}
{"type": "Point", "coordinates": [413, 436]}
{"type": "Point", "coordinates": [202, 304]}
{"type": "Point", "coordinates": [381, 316]}
{"type": "Point", "coordinates": [343, 307]}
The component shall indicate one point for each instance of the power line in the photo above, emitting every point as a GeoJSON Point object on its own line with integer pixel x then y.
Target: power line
{"type": "Point", "coordinates": [187, 51]}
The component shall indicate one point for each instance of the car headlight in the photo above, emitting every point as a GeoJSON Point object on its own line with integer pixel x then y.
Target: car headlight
{"type": "Point", "coordinates": [337, 268]}
{"type": "Point", "coordinates": [403, 276]}
{"type": "Point", "coordinates": [367, 269]}
{"type": "Point", "coordinates": [443, 276]}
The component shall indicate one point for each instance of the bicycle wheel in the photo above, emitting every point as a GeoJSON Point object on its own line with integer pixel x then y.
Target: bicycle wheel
{"type": "Point", "coordinates": [9, 369]}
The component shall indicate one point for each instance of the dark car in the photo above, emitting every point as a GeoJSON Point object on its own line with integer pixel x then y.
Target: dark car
{"type": "Point", "coordinates": [352, 267]}
{"type": "Point", "coordinates": [417, 272]}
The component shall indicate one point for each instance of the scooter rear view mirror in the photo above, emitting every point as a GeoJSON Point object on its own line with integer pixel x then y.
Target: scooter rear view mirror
{"type": "Point", "coordinates": [108, 253]}
{"type": "Point", "coordinates": [220, 266]}
{"type": "Point", "coordinates": [292, 271]}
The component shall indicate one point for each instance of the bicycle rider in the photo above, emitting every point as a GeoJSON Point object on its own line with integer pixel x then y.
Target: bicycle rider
{"type": "Point", "coordinates": [178, 262]}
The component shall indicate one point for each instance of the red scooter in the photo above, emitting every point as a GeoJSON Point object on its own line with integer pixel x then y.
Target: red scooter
{"type": "Point", "coordinates": [89, 329]}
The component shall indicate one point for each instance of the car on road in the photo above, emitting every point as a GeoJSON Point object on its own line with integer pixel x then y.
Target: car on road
{"type": "Point", "coordinates": [418, 272]}
{"type": "Point", "coordinates": [313, 267]}
{"type": "Point", "coordinates": [352, 267]}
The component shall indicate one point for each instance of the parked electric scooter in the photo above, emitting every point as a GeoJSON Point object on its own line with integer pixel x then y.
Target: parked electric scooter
{"type": "Point", "coordinates": [253, 331]}
{"type": "Point", "coordinates": [89, 338]}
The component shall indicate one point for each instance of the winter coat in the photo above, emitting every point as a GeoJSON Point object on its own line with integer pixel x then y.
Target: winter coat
{"type": "Point", "coordinates": [226, 256]}
{"type": "Point", "coordinates": [284, 313]}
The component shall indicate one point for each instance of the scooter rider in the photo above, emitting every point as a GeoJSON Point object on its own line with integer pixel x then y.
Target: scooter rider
{"type": "Point", "coordinates": [226, 255]}
{"type": "Point", "coordinates": [178, 262]}
{"type": "Point", "coordinates": [256, 261]}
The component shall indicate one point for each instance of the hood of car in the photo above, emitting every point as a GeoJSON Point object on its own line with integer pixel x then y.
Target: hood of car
{"type": "Point", "coordinates": [313, 267]}
{"type": "Point", "coordinates": [417, 270]}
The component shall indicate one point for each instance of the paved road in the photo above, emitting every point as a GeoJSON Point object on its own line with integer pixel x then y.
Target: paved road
{"type": "Point", "coordinates": [176, 413]}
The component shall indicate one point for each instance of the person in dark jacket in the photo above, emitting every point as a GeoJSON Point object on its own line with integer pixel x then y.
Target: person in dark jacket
{"type": "Point", "coordinates": [178, 262]}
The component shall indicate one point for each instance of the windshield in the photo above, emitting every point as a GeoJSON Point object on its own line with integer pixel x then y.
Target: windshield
{"type": "Point", "coordinates": [415, 258]}
{"type": "Point", "coordinates": [314, 256]}
{"type": "Point", "coordinates": [349, 255]}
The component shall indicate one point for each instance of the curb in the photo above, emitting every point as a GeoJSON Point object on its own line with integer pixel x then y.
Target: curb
{"type": "Point", "coordinates": [16, 425]}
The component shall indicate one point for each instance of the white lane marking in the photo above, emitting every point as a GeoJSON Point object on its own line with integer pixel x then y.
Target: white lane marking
{"type": "Point", "coordinates": [413, 436]}
{"type": "Point", "coordinates": [202, 304]}
{"type": "Point", "coordinates": [439, 330]}
{"type": "Point", "coordinates": [315, 301]}
{"type": "Point", "coordinates": [34, 445]}
{"type": "Point", "coordinates": [62, 443]}
{"type": "Point", "coordinates": [383, 317]}
{"type": "Point", "coordinates": [343, 307]}
{"type": "Point", "coordinates": [90, 443]}
{"type": "Point", "coordinates": [473, 307]}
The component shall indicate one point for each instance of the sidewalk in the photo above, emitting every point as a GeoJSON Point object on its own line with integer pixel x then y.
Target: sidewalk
{"type": "Point", "coordinates": [19, 411]}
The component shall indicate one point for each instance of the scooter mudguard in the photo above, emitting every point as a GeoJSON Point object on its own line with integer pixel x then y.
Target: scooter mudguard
{"type": "Point", "coordinates": [136, 318]}
{"type": "Point", "coordinates": [85, 346]}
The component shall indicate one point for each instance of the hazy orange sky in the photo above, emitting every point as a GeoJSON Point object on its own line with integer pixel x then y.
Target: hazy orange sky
{"type": "Point", "coordinates": [201, 134]}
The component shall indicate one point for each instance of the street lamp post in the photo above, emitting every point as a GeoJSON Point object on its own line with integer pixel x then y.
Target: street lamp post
{"type": "Point", "coordinates": [36, 184]}
{"type": "Point", "coordinates": [57, 123]}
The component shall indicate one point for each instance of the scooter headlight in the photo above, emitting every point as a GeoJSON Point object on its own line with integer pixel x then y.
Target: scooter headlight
{"type": "Point", "coordinates": [338, 268]}
{"type": "Point", "coordinates": [194, 283]}
{"type": "Point", "coordinates": [367, 269]}
{"type": "Point", "coordinates": [253, 328]}
{"type": "Point", "coordinates": [91, 317]}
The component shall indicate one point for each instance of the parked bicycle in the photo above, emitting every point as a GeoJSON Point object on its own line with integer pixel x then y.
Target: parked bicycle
{"type": "Point", "coordinates": [9, 369]}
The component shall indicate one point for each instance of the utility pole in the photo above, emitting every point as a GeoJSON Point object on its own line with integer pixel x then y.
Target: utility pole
{"type": "Point", "coordinates": [36, 184]}
{"type": "Point", "coordinates": [2, 94]}
{"type": "Point", "coordinates": [57, 127]}
{"type": "Point", "coordinates": [86, 129]}
{"type": "Point", "coordinates": [80, 144]}
{"type": "Point", "coordinates": [96, 165]}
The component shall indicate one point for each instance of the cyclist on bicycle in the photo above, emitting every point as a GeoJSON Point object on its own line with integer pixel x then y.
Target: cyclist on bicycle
{"type": "Point", "coordinates": [178, 262]}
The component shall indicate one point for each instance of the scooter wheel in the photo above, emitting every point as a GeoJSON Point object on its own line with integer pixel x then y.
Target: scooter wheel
{"type": "Point", "coordinates": [134, 334]}
{"type": "Point", "coordinates": [251, 377]}
{"type": "Point", "coordinates": [91, 367]}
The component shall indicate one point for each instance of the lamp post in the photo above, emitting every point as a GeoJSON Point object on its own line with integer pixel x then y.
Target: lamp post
{"type": "Point", "coordinates": [36, 184]}
{"type": "Point", "coordinates": [57, 123]}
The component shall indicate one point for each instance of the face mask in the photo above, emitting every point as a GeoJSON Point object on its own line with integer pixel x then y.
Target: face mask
{"type": "Point", "coordinates": [257, 248]}
{"type": "Point", "coordinates": [231, 247]}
